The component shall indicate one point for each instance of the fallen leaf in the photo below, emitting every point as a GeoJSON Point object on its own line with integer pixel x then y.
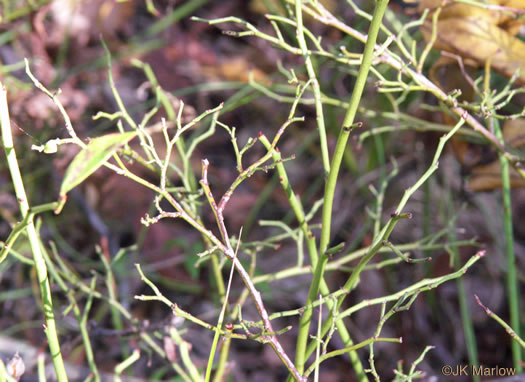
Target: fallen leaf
{"type": "Point", "coordinates": [488, 178]}
{"type": "Point", "coordinates": [479, 39]}
{"type": "Point", "coordinates": [236, 69]}
{"type": "Point", "coordinates": [89, 159]}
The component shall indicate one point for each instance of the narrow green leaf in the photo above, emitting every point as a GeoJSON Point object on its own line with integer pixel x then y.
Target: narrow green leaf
{"type": "Point", "coordinates": [89, 159]}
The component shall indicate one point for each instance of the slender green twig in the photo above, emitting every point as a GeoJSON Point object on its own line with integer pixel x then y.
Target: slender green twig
{"type": "Point", "coordinates": [512, 278]}
{"type": "Point", "coordinates": [221, 319]}
{"type": "Point", "coordinates": [22, 225]}
{"type": "Point", "coordinates": [412, 290]}
{"type": "Point", "coordinates": [315, 85]}
{"type": "Point", "coordinates": [466, 318]}
{"type": "Point", "coordinates": [420, 286]}
{"type": "Point", "coordinates": [507, 327]}
{"type": "Point", "coordinates": [298, 210]}
{"type": "Point", "coordinates": [394, 61]}
{"type": "Point", "coordinates": [111, 286]}
{"type": "Point", "coordinates": [40, 265]}
{"type": "Point", "coordinates": [344, 133]}
{"type": "Point", "coordinates": [344, 350]}
{"type": "Point", "coordinates": [184, 349]}
{"type": "Point", "coordinates": [119, 369]}
{"type": "Point", "coordinates": [81, 317]}
{"type": "Point", "coordinates": [378, 240]}
{"type": "Point", "coordinates": [188, 178]}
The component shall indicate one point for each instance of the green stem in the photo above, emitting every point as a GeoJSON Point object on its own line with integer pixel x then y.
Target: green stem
{"type": "Point", "coordinates": [298, 210]}
{"type": "Point", "coordinates": [344, 350]}
{"type": "Point", "coordinates": [184, 351]}
{"type": "Point", "coordinates": [378, 240]}
{"type": "Point", "coordinates": [223, 360]}
{"type": "Point", "coordinates": [344, 133]}
{"type": "Point", "coordinates": [189, 180]}
{"type": "Point", "coordinates": [111, 286]}
{"type": "Point", "coordinates": [81, 317]}
{"type": "Point", "coordinates": [34, 241]}
{"type": "Point", "coordinates": [83, 326]}
{"type": "Point", "coordinates": [466, 318]}
{"type": "Point", "coordinates": [315, 85]}
{"type": "Point", "coordinates": [495, 317]}
{"type": "Point", "coordinates": [512, 279]}
{"type": "Point", "coordinates": [119, 369]}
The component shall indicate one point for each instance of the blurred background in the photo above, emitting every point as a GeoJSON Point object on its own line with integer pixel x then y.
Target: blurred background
{"type": "Point", "coordinates": [200, 65]}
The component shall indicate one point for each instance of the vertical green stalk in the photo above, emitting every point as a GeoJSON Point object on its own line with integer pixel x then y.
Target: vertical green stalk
{"type": "Point", "coordinates": [427, 200]}
{"type": "Point", "coordinates": [81, 317]}
{"type": "Point", "coordinates": [466, 318]}
{"type": "Point", "coordinates": [512, 279]}
{"type": "Point", "coordinates": [379, 240]}
{"type": "Point", "coordinates": [344, 133]}
{"type": "Point", "coordinates": [84, 333]}
{"type": "Point", "coordinates": [298, 210]}
{"type": "Point", "coordinates": [223, 359]}
{"type": "Point", "coordinates": [34, 241]}
{"type": "Point", "coordinates": [315, 85]}
{"type": "Point", "coordinates": [111, 286]}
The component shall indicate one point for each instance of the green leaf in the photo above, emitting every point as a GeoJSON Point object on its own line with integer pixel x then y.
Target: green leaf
{"type": "Point", "coordinates": [89, 159]}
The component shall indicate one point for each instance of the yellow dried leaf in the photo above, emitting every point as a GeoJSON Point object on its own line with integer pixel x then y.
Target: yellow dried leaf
{"type": "Point", "coordinates": [236, 69]}
{"type": "Point", "coordinates": [460, 10]}
{"type": "Point", "coordinates": [488, 177]}
{"type": "Point", "coordinates": [478, 39]}
{"type": "Point", "coordinates": [456, 10]}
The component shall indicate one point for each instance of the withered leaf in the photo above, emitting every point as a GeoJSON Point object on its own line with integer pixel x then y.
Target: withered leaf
{"type": "Point", "coordinates": [479, 39]}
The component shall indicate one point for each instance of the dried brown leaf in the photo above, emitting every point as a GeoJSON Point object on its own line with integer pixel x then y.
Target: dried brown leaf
{"type": "Point", "coordinates": [479, 39]}
{"type": "Point", "coordinates": [236, 69]}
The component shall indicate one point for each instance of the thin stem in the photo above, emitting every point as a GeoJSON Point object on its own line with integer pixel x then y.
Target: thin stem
{"type": "Point", "coordinates": [321, 14]}
{"type": "Point", "coordinates": [338, 352]}
{"type": "Point", "coordinates": [268, 335]}
{"type": "Point", "coordinates": [466, 318]}
{"type": "Point", "coordinates": [379, 240]}
{"type": "Point", "coordinates": [40, 265]}
{"type": "Point", "coordinates": [512, 278]}
{"type": "Point", "coordinates": [344, 133]}
{"type": "Point", "coordinates": [298, 210]}
{"type": "Point", "coordinates": [184, 350]}
{"type": "Point", "coordinates": [119, 369]}
{"type": "Point", "coordinates": [221, 318]}
{"type": "Point", "coordinates": [498, 319]}
{"type": "Point", "coordinates": [315, 85]}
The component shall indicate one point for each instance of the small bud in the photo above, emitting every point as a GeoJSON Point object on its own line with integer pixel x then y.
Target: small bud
{"type": "Point", "coordinates": [51, 146]}
{"type": "Point", "coordinates": [16, 367]}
